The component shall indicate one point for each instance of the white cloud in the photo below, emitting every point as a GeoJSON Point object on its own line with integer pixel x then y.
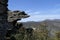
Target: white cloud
{"type": "Point", "coordinates": [40, 18]}
{"type": "Point", "coordinates": [42, 15]}
{"type": "Point", "coordinates": [46, 12]}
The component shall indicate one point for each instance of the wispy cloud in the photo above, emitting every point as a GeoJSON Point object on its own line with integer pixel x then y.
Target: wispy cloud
{"type": "Point", "coordinates": [45, 12]}
{"type": "Point", "coordinates": [42, 15]}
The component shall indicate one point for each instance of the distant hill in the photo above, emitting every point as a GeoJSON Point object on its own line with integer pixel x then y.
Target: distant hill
{"type": "Point", "coordinates": [52, 25]}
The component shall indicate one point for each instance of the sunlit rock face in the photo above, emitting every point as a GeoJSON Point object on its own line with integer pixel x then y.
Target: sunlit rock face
{"type": "Point", "coordinates": [16, 15]}
{"type": "Point", "coordinates": [13, 17]}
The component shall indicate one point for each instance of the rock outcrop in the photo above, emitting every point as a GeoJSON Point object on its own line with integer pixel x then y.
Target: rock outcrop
{"type": "Point", "coordinates": [13, 17]}
{"type": "Point", "coordinates": [8, 21]}
{"type": "Point", "coordinates": [3, 18]}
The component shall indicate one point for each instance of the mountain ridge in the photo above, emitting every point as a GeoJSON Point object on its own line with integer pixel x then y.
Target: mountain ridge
{"type": "Point", "coordinates": [52, 25]}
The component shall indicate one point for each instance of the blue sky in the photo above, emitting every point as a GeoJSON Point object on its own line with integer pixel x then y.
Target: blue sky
{"type": "Point", "coordinates": [37, 9]}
